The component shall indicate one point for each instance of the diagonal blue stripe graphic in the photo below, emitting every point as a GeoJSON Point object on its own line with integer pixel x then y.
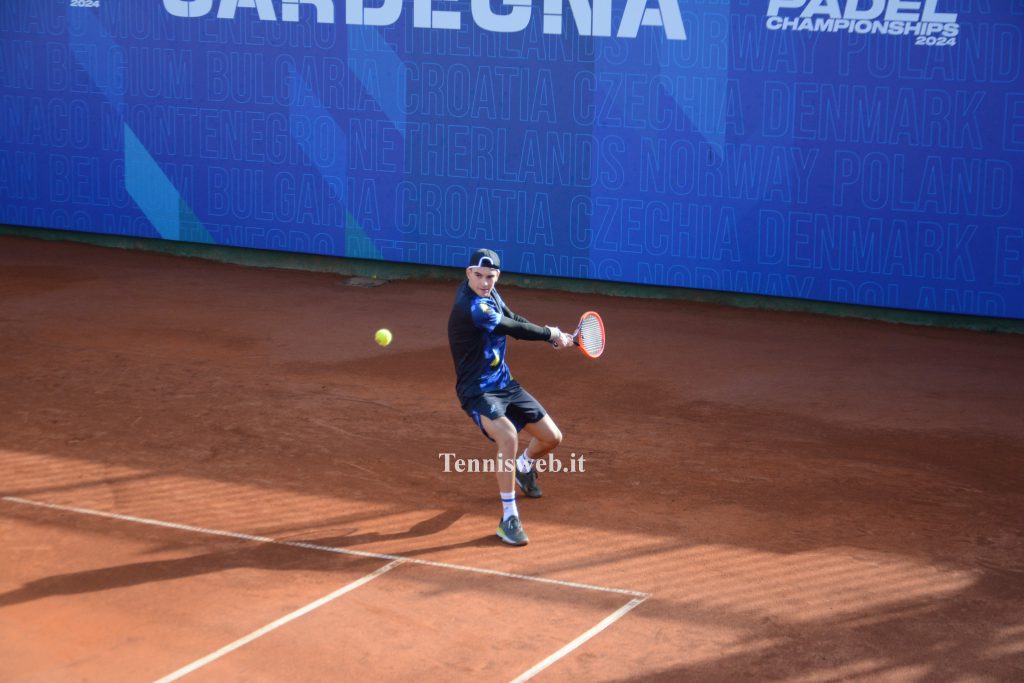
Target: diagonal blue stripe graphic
{"type": "Point", "coordinates": [99, 54]}
{"type": "Point", "coordinates": [702, 81]}
{"type": "Point", "coordinates": [150, 188]}
{"type": "Point", "coordinates": [318, 135]}
{"type": "Point", "coordinates": [379, 68]}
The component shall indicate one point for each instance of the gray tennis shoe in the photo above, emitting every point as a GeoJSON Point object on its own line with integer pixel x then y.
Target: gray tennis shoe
{"type": "Point", "coordinates": [528, 483]}
{"type": "Point", "coordinates": [511, 531]}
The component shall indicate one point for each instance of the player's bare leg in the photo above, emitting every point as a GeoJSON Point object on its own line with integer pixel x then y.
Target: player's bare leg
{"type": "Point", "coordinates": [546, 437]}
{"type": "Point", "coordinates": [510, 530]}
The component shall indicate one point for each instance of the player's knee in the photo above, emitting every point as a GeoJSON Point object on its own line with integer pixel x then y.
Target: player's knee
{"type": "Point", "coordinates": [507, 444]}
{"type": "Point", "coordinates": [555, 438]}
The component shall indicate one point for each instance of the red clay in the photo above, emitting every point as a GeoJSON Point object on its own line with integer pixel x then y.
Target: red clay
{"type": "Point", "coordinates": [805, 498]}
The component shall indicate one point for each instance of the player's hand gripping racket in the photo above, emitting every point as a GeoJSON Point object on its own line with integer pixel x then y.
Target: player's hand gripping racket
{"type": "Point", "coordinates": [589, 335]}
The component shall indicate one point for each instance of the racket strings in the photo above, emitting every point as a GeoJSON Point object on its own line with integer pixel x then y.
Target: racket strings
{"type": "Point", "coordinates": [591, 335]}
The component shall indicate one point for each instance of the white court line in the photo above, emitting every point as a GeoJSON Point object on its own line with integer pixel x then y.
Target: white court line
{"type": "Point", "coordinates": [213, 656]}
{"type": "Point", "coordinates": [582, 638]}
{"type": "Point", "coordinates": [322, 548]}
{"type": "Point", "coordinates": [638, 597]}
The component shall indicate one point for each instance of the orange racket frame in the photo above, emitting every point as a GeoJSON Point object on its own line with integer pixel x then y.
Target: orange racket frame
{"type": "Point", "coordinates": [576, 335]}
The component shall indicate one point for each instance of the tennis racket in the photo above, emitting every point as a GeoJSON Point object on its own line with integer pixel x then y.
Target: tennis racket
{"type": "Point", "coordinates": [589, 335]}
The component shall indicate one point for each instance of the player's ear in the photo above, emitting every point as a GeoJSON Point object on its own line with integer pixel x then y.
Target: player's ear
{"type": "Point", "coordinates": [469, 273]}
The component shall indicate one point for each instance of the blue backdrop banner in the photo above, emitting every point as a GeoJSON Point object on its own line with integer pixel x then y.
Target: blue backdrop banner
{"type": "Point", "coordinates": [857, 151]}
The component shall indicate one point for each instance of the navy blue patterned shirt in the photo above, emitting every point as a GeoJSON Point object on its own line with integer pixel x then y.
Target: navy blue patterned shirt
{"type": "Point", "coordinates": [477, 345]}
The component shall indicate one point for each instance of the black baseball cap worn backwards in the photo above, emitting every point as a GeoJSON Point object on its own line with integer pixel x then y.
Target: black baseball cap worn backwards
{"type": "Point", "coordinates": [484, 258]}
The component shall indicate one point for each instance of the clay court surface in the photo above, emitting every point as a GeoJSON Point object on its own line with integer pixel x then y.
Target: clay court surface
{"type": "Point", "coordinates": [212, 473]}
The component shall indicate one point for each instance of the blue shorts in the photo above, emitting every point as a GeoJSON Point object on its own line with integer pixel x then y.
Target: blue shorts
{"type": "Point", "coordinates": [512, 402]}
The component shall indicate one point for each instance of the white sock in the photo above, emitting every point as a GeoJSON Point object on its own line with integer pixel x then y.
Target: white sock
{"type": "Point", "coordinates": [508, 505]}
{"type": "Point", "coordinates": [524, 463]}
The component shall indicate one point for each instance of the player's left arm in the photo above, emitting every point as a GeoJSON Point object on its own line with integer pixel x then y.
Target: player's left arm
{"type": "Point", "coordinates": [507, 312]}
{"type": "Point", "coordinates": [490, 315]}
{"type": "Point", "coordinates": [518, 327]}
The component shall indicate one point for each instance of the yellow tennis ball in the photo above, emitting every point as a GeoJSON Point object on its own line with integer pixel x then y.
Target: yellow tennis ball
{"type": "Point", "coordinates": [383, 336]}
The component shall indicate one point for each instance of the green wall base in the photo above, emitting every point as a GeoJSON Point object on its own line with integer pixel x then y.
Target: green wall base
{"type": "Point", "coordinates": [388, 270]}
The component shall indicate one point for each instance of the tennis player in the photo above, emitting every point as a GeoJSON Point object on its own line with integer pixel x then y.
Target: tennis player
{"type": "Point", "coordinates": [477, 327]}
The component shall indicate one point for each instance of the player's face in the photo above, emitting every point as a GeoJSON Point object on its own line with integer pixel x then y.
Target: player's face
{"type": "Point", "coordinates": [482, 280]}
